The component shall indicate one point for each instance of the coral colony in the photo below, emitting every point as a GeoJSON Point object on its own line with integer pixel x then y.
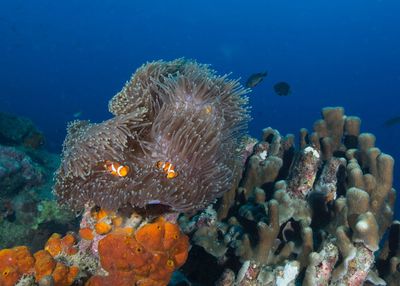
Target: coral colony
{"type": "Point", "coordinates": [170, 188]}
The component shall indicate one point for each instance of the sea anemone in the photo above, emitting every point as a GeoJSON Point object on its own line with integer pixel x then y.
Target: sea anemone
{"type": "Point", "coordinates": [176, 128]}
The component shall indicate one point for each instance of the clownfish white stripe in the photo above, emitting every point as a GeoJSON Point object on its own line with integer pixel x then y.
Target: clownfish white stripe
{"type": "Point", "coordinates": [119, 170]}
{"type": "Point", "coordinates": [113, 168]}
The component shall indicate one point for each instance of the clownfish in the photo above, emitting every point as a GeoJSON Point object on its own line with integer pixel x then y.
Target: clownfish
{"type": "Point", "coordinates": [167, 168]}
{"type": "Point", "coordinates": [116, 169]}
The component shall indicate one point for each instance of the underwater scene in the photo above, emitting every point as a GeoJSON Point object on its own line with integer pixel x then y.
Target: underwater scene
{"type": "Point", "coordinates": [199, 143]}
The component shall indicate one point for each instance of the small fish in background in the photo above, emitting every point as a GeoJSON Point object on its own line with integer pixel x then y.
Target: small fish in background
{"type": "Point", "coordinates": [255, 79]}
{"type": "Point", "coordinates": [392, 121]}
{"type": "Point", "coordinates": [282, 88]}
{"type": "Point", "coordinates": [77, 114]}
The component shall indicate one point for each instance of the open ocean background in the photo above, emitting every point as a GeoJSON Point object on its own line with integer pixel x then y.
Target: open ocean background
{"type": "Point", "coordinates": [60, 58]}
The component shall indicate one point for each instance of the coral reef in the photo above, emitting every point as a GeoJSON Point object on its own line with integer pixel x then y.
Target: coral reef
{"type": "Point", "coordinates": [15, 131]}
{"type": "Point", "coordinates": [170, 183]}
{"type": "Point", "coordinates": [18, 172]}
{"type": "Point", "coordinates": [27, 207]}
{"type": "Point", "coordinates": [133, 251]}
{"type": "Point", "coordinates": [18, 263]}
{"type": "Point", "coordinates": [311, 216]}
{"type": "Point", "coordinates": [165, 151]}
{"type": "Point", "coordinates": [175, 133]}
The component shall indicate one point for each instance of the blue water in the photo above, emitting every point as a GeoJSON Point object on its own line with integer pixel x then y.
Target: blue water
{"type": "Point", "coordinates": [58, 58]}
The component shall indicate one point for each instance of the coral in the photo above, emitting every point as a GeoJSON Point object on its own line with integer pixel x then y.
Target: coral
{"type": "Point", "coordinates": [27, 280]}
{"type": "Point", "coordinates": [264, 165]}
{"type": "Point", "coordinates": [252, 273]}
{"type": "Point", "coordinates": [316, 214]}
{"type": "Point", "coordinates": [389, 258]}
{"type": "Point", "coordinates": [304, 172]}
{"type": "Point", "coordinates": [19, 131]}
{"type": "Point", "coordinates": [49, 210]}
{"type": "Point", "coordinates": [31, 221]}
{"type": "Point", "coordinates": [326, 184]}
{"type": "Point", "coordinates": [321, 210]}
{"type": "Point", "coordinates": [15, 233]}
{"type": "Point", "coordinates": [227, 278]}
{"type": "Point", "coordinates": [17, 171]}
{"type": "Point", "coordinates": [27, 207]}
{"type": "Point", "coordinates": [266, 234]}
{"type": "Point", "coordinates": [178, 113]}
{"type": "Point", "coordinates": [207, 231]}
{"type": "Point", "coordinates": [321, 265]}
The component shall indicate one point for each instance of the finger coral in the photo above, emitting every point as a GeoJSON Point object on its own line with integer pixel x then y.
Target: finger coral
{"type": "Point", "coordinates": [313, 215]}
{"type": "Point", "coordinates": [175, 122]}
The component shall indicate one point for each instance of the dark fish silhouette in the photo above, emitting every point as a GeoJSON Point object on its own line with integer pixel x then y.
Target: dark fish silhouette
{"type": "Point", "coordinates": [282, 88]}
{"type": "Point", "coordinates": [255, 79]}
{"type": "Point", "coordinates": [392, 121]}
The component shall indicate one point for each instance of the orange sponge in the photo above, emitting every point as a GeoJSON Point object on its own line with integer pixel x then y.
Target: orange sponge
{"type": "Point", "coordinates": [167, 237]}
{"type": "Point", "coordinates": [57, 244]}
{"type": "Point", "coordinates": [64, 275]}
{"type": "Point", "coordinates": [118, 278]}
{"type": "Point", "coordinates": [102, 227]}
{"type": "Point", "coordinates": [53, 244]}
{"type": "Point", "coordinates": [14, 263]}
{"type": "Point", "coordinates": [68, 244]}
{"type": "Point", "coordinates": [121, 252]}
{"type": "Point", "coordinates": [86, 233]}
{"type": "Point", "coordinates": [146, 257]}
{"type": "Point", "coordinates": [151, 235]}
{"type": "Point", "coordinates": [44, 264]}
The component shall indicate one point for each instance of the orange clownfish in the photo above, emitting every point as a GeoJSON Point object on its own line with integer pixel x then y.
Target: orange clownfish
{"type": "Point", "coordinates": [167, 168]}
{"type": "Point", "coordinates": [116, 169]}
